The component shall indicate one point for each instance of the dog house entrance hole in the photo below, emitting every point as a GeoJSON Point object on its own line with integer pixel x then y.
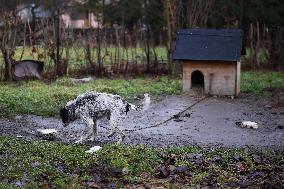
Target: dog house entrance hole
{"type": "Point", "coordinates": [197, 80]}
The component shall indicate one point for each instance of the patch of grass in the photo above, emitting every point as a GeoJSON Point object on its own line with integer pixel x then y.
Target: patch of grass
{"type": "Point", "coordinates": [38, 164]}
{"type": "Point", "coordinates": [137, 159]}
{"type": "Point", "coordinates": [256, 82]}
{"type": "Point", "coordinates": [35, 97]}
{"type": "Point", "coordinates": [262, 55]}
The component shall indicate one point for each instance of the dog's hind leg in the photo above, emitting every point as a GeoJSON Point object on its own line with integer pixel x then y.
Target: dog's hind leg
{"type": "Point", "coordinates": [119, 132]}
{"type": "Point", "coordinates": [121, 136]}
{"type": "Point", "coordinates": [115, 123]}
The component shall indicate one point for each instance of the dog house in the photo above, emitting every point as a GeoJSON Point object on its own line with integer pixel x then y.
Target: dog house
{"type": "Point", "coordinates": [27, 69]}
{"type": "Point", "coordinates": [210, 60]}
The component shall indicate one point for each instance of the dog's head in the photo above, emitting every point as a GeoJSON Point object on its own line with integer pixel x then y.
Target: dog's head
{"type": "Point", "coordinates": [64, 114]}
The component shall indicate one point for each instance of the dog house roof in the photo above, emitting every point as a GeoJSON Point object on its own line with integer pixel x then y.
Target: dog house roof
{"type": "Point", "coordinates": [209, 44]}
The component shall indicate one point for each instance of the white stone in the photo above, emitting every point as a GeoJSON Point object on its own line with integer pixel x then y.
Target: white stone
{"type": "Point", "coordinates": [47, 131]}
{"type": "Point", "coordinates": [249, 124]}
{"type": "Point", "coordinates": [93, 149]}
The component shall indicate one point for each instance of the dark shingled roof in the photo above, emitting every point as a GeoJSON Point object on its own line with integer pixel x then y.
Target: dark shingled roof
{"type": "Point", "coordinates": [209, 44]}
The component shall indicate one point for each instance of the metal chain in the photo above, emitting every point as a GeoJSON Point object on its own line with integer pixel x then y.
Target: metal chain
{"type": "Point", "coordinates": [161, 123]}
{"type": "Point", "coordinates": [174, 116]}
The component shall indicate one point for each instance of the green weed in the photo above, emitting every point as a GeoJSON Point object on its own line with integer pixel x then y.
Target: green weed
{"type": "Point", "coordinates": [256, 82]}
{"type": "Point", "coordinates": [38, 164]}
{"type": "Point", "coordinates": [35, 97]}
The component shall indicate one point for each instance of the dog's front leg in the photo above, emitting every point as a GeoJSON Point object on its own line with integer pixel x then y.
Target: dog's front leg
{"type": "Point", "coordinates": [89, 130]}
{"type": "Point", "coordinates": [95, 130]}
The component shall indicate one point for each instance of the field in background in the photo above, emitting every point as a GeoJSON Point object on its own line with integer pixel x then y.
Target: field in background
{"type": "Point", "coordinates": [77, 58]}
{"type": "Point", "coordinates": [110, 56]}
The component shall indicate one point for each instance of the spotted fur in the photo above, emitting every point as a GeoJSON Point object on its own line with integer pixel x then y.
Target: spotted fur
{"type": "Point", "coordinates": [92, 106]}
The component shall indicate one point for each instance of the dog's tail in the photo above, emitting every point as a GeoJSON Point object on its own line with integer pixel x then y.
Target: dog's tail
{"type": "Point", "coordinates": [144, 105]}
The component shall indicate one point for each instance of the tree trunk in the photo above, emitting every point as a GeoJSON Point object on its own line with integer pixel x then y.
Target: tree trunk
{"type": "Point", "coordinates": [99, 59]}
{"type": "Point", "coordinates": [147, 49]}
{"type": "Point", "coordinates": [57, 35]}
{"type": "Point", "coordinates": [252, 47]}
{"type": "Point", "coordinates": [170, 31]}
{"type": "Point", "coordinates": [8, 64]}
{"type": "Point", "coordinates": [276, 50]}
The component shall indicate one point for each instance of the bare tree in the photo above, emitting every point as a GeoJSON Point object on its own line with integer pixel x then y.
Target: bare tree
{"type": "Point", "coordinates": [170, 12]}
{"type": "Point", "coordinates": [276, 47]}
{"type": "Point", "coordinates": [8, 35]}
{"type": "Point", "coordinates": [55, 43]}
{"type": "Point", "coordinates": [198, 12]}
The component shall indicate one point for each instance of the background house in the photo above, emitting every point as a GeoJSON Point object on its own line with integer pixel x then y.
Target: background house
{"type": "Point", "coordinates": [210, 59]}
{"type": "Point", "coordinates": [71, 17]}
{"type": "Point", "coordinates": [75, 19]}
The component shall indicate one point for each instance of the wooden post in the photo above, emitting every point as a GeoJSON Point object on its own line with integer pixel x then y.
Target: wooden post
{"type": "Point", "coordinates": [57, 36]}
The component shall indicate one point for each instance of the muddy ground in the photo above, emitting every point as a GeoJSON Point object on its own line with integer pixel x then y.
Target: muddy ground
{"type": "Point", "coordinates": [210, 122]}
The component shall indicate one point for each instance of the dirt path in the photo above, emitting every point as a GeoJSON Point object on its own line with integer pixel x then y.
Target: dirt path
{"type": "Point", "coordinates": [209, 123]}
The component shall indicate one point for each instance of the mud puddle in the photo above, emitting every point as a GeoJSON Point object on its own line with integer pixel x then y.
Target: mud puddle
{"type": "Point", "coordinates": [209, 123]}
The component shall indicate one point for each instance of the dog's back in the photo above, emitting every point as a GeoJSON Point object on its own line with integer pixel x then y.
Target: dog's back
{"type": "Point", "coordinates": [92, 102]}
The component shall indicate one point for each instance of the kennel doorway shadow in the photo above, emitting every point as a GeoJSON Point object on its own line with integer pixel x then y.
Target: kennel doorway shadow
{"type": "Point", "coordinates": [197, 82]}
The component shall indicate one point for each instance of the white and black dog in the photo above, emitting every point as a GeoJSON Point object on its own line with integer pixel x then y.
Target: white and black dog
{"type": "Point", "coordinates": [92, 106]}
